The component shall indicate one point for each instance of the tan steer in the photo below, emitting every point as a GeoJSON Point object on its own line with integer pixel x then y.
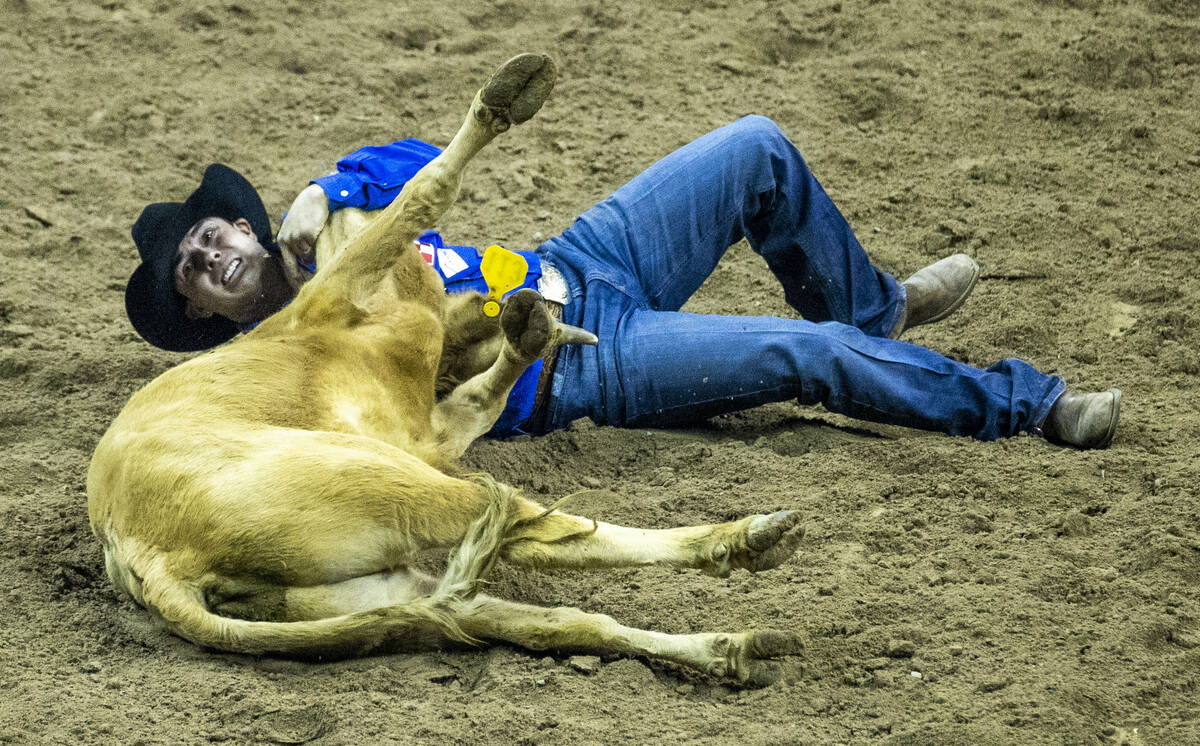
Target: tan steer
{"type": "Point", "coordinates": [268, 496]}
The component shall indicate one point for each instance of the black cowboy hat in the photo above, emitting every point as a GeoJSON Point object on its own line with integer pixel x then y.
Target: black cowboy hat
{"type": "Point", "coordinates": [155, 307]}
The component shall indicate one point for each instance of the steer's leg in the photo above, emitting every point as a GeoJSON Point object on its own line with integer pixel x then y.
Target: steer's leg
{"type": "Point", "coordinates": [555, 539]}
{"type": "Point", "coordinates": [473, 407]}
{"type": "Point", "coordinates": [316, 507]}
{"type": "Point", "coordinates": [559, 540]}
{"type": "Point", "coordinates": [511, 95]}
{"type": "Point", "coordinates": [743, 656]}
{"type": "Point", "coordinates": [739, 655]}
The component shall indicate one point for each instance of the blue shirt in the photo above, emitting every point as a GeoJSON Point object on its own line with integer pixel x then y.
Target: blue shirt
{"type": "Point", "coordinates": [369, 179]}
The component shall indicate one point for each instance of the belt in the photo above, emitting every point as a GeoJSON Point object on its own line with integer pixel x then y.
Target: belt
{"type": "Point", "coordinates": [541, 397]}
{"type": "Point", "coordinates": [553, 288]}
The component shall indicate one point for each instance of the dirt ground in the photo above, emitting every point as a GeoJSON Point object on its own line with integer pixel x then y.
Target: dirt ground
{"type": "Point", "coordinates": [951, 591]}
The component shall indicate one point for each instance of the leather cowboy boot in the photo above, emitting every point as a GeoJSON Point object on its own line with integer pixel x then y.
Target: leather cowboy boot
{"type": "Point", "coordinates": [935, 292]}
{"type": "Point", "coordinates": [1083, 420]}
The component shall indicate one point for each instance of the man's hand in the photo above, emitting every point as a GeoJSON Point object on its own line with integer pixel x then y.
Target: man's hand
{"type": "Point", "coordinates": [298, 234]}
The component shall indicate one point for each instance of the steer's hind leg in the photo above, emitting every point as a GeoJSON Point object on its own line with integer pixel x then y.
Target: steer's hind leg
{"type": "Point", "coordinates": [319, 507]}
{"type": "Point", "coordinates": [559, 540]}
{"type": "Point", "coordinates": [743, 656]}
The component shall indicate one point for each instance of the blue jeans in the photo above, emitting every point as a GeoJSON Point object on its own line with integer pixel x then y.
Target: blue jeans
{"type": "Point", "coordinates": [635, 258]}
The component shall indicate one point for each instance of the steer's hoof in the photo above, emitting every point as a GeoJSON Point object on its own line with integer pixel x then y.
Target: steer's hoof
{"type": "Point", "coordinates": [773, 538]}
{"type": "Point", "coordinates": [768, 644]}
{"type": "Point", "coordinates": [516, 91]}
{"type": "Point", "coordinates": [756, 543]}
{"type": "Point", "coordinates": [748, 656]}
{"type": "Point", "coordinates": [772, 643]}
{"type": "Point", "coordinates": [527, 324]}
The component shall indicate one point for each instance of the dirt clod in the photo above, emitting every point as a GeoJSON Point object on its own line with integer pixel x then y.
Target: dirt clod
{"type": "Point", "coordinates": [900, 649]}
{"type": "Point", "coordinates": [585, 664]}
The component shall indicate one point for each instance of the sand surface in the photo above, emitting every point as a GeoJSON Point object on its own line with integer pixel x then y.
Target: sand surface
{"type": "Point", "coordinates": [1032, 594]}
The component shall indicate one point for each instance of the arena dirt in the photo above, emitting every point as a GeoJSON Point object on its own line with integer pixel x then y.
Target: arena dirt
{"type": "Point", "coordinates": [950, 591]}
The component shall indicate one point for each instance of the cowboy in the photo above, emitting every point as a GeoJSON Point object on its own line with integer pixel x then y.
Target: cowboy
{"type": "Point", "coordinates": [211, 269]}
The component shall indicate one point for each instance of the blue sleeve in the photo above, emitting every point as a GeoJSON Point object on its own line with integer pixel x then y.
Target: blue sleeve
{"type": "Point", "coordinates": [371, 177]}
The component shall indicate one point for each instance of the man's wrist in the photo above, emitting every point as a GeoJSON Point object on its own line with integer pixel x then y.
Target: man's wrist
{"type": "Point", "coordinates": [315, 194]}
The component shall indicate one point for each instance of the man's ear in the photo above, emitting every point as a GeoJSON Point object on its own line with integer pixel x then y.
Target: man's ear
{"type": "Point", "coordinates": [194, 312]}
{"type": "Point", "coordinates": [243, 225]}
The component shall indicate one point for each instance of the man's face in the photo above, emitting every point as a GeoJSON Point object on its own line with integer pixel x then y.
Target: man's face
{"type": "Point", "coordinates": [219, 268]}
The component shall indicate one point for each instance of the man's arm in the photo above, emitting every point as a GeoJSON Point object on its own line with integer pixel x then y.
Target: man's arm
{"type": "Point", "coordinates": [297, 237]}
{"type": "Point", "coordinates": [371, 177]}
{"type": "Point", "coordinates": [367, 179]}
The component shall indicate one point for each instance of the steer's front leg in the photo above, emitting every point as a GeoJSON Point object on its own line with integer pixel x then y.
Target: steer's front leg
{"type": "Point", "coordinates": [471, 409]}
{"type": "Point", "coordinates": [383, 248]}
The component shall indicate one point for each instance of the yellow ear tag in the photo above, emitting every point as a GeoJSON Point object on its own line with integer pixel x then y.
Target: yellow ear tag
{"type": "Point", "coordinates": [503, 270]}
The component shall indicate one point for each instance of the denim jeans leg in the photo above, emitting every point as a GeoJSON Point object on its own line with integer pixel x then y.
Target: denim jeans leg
{"type": "Point", "coordinates": [632, 260]}
{"type": "Point", "coordinates": [666, 229]}
{"type": "Point", "coordinates": [676, 367]}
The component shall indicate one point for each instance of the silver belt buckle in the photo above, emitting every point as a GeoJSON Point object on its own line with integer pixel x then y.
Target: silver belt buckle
{"type": "Point", "coordinates": [552, 285]}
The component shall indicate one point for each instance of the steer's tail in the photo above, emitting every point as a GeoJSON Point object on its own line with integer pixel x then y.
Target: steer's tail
{"type": "Point", "coordinates": [182, 607]}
